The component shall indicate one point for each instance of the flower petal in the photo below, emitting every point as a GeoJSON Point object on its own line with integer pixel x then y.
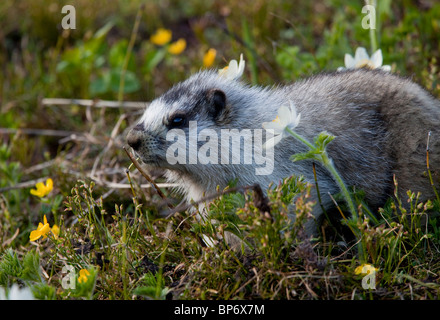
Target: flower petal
{"type": "Point", "coordinates": [49, 184]}
{"type": "Point", "coordinates": [86, 272]}
{"type": "Point", "coordinates": [45, 229]}
{"type": "Point", "coordinates": [361, 53]}
{"type": "Point", "coordinates": [386, 68]}
{"type": "Point", "coordinates": [223, 71]}
{"type": "Point", "coordinates": [271, 143]}
{"type": "Point", "coordinates": [39, 191]}
{"type": "Point", "coordinates": [39, 185]}
{"type": "Point", "coordinates": [177, 47]}
{"type": "Point", "coordinates": [35, 192]}
{"type": "Point", "coordinates": [365, 269]}
{"type": "Point", "coordinates": [274, 125]}
{"type": "Point", "coordinates": [83, 275]}
{"type": "Point", "coordinates": [377, 58]}
{"type": "Point", "coordinates": [55, 231]}
{"type": "Point", "coordinates": [293, 117]}
{"type": "Point", "coordinates": [35, 235]}
{"type": "Point", "coordinates": [284, 113]}
{"type": "Point", "coordinates": [209, 57]}
{"type": "Point", "coordinates": [241, 66]}
{"type": "Point", "coordinates": [358, 270]}
{"type": "Point", "coordinates": [161, 37]}
{"type": "Point", "coordinates": [295, 122]}
{"type": "Point", "coordinates": [349, 61]}
{"type": "Point", "coordinates": [234, 69]}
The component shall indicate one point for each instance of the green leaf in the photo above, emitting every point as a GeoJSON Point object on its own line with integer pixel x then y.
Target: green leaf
{"type": "Point", "coordinates": [9, 267]}
{"type": "Point", "coordinates": [99, 62]}
{"type": "Point", "coordinates": [312, 154]}
{"type": "Point", "coordinates": [117, 55]}
{"type": "Point", "coordinates": [131, 82]}
{"type": "Point", "coordinates": [322, 140]}
{"type": "Point", "coordinates": [86, 289]}
{"type": "Point", "coordinates": [101, 84]}
{"type": "Point", "coordinates": [152, 59]}
{"type": "Point", "coordinates": [31, 267]}
{"type": "Point", "coordinates": [150, 284]}
{"type": "Point", "coordinates": [101, 33]}
{"type": "Point", "coordinates": [42, 291]}
{"type": "Point", "coordinates": [150, 292]}
{"type": "Point", "coordinates": [384, 8]}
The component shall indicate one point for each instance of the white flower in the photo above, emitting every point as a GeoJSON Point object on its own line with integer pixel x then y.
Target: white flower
{"type": "Point", "coordinates": [362, 60]}
{"type": "Point", "coordinates": [234, 70]}
{"type": "Point", "coordinates": [286, 118]}
{"type": "Point", "coordinates": [15, 293]}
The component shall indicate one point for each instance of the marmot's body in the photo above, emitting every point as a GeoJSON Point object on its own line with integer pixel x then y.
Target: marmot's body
{"type": "Point", "coordinates": [381, 123]}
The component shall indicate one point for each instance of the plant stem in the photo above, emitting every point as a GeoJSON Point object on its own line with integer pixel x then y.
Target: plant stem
{"type": "Point", "coordinates": [299, 138]}
{"type": "Point", "coordinates": [331, 168]}
{"type": "Point", "coordinates": [373, 38]}
{"type": "Point", "coordinates": [250, 44]}
{"type": "Point", "coordinates": [128, 53]}
{"type": "Point", "coordinates": [429, 170]}
{"type": "Point", "coordinates": [320, 154]}
{"type": "Point", "coordinates": [328, 164]}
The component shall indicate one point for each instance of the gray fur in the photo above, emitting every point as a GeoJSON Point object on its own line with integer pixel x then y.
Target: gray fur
{"type": "Point", "coordinates": [380, 120]}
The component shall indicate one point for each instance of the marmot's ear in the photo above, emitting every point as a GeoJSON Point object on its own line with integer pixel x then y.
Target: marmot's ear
{"type": "Point", "coordinates": [217, 100]}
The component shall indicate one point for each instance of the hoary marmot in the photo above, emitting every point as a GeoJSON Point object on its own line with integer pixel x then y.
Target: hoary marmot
{"type": "Point", "coordinates": [380, 120]}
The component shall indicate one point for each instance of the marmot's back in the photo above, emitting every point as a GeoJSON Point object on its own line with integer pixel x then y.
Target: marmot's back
{"type": "Point", "coordinates": [381, 122]}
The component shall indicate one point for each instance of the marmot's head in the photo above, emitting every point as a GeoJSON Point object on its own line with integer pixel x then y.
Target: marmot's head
{"type": "Point", "coordinates": [205, 99]}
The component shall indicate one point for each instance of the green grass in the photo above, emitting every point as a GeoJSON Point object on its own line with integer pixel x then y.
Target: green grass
{"type": "Point", "coordinates": [117, 230]}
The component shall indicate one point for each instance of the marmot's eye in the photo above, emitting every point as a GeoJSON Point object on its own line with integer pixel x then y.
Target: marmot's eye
{"type": "Point", "coordinates": [176, 121]}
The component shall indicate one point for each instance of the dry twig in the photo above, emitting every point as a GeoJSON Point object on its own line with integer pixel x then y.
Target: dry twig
{"type": "Point", "coordinates": [146, 176]}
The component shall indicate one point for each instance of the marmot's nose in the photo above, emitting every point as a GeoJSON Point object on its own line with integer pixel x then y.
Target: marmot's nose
{"type": "Point", "coordinates": [134, 137]}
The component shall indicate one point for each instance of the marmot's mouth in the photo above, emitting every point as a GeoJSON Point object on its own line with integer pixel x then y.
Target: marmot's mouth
{"type": "Point", "coordinates": [149, 160]}
{"type": "Point", "coordinates": [152, 160]}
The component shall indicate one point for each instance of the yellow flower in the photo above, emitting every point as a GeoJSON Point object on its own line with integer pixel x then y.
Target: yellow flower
{"type": "Point", "coordinates": [83, 275]}
{"type": "Point", "coordinates": [209, 57]}
{"type": "Point", "coordinates": [365, 269]}
{"type": "Point", "coordinates": [55, 231]}
{"type": "Point", "coordinates": [42, 189]}
{"type": "Point", "coordinates": [177, 47]}
{"type": "Point", "coordinates": [42, 230]}
{"type": "Point", "coordinates": [161, 37]}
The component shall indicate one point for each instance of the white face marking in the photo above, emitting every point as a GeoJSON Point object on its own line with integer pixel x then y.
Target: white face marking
{"type": "Point", "coordinates": [155, 114]}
